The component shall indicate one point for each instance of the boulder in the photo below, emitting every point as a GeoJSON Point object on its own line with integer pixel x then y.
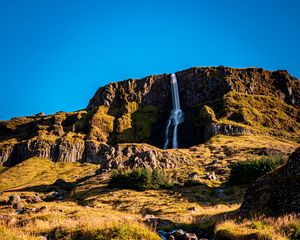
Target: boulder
{"type": "Point", "coordinates": [178, 234]}
{"type": "Point", "coordinates": [190, 236]}
{"type": "Point", "coordinates": [193, 175]}
{"type": "Point", "coordinates": [33, 199]}
{"type": "Point", "coordinates": [212, 176]}
{"type": "Point", "coordinates": [24, 210]}
{"type": "Point", "coordinates": [276, 193]}
{"type": "Point", "coordinates": [54, 196]}
{"type": "Point", "coordinates": [17, 206]}
{"type": "Point", "coordinates": [42, 238]}
{"type": "Point", "coordinates": [14, 199]}
{"type": "Point", "coordinates": [41, 209]}
{"type": "Point", "coordinates": [62, 184]}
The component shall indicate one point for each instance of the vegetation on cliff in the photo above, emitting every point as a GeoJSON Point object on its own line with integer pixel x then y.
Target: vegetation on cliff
{"type": "Point", "coordinates": [230, 115]}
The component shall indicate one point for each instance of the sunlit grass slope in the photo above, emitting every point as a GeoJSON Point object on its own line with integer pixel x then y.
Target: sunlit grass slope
{"type": "Point", "coordinates": [37, 171]}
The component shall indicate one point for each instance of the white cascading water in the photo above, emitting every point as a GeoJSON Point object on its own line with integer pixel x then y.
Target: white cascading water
{"type": "Point", "coordinates": [176, 116]}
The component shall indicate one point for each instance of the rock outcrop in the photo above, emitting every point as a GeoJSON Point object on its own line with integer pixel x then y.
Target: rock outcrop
{"type": "Point", "coordinates": [276, 193]}
{"type": "Point", "coordinates": [141, 155]}
{"type": "Point", "coordinates": [62, 151]}
{"type": "Point", "coordinates": [215, 100]}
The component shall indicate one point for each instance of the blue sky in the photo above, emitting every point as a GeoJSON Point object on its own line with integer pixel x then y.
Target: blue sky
{"type": "Point", "coordinates": [54, 54]}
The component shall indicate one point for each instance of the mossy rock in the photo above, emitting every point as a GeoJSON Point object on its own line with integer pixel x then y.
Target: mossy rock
{"type": "Point", "coordinates": [207, 116]}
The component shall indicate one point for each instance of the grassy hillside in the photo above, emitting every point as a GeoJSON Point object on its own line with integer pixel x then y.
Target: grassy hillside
{"type": "Point", "coordinates": [38, 171]}
{"type": "Point", "coordinates": [95, 211]}
{"type": "Point", "coordinates": [262, 114]}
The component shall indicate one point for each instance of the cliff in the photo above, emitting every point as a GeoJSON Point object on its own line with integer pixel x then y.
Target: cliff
{"type": "Point", "coordinates": [215, 100]}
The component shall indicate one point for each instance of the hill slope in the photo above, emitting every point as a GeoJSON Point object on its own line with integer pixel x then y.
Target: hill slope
{"type": "Point", "coordinates": [215, 100]}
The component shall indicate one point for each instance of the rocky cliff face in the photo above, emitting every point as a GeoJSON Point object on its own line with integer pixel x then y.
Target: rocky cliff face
{"type": "Point", "coordinates": [276, 193]}
{"type": "Point", "coordinates": [215, 100]}
{"type": "Point", "coordinates": [198, 85]}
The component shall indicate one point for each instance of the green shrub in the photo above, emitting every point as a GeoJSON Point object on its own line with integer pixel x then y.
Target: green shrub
{"type": "Point", "coordinates": [140, 179]}
{"type": "Point", "coordinates": [247, 172]}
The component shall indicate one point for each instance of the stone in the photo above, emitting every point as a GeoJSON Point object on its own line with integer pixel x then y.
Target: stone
{"type": "Point", "coordinates": [23, 210]}
{"type": "Point", "coordinates": [178, 233]}
{"type": "Point", "coordinates": [41, 209]}
{"type": "Point", "coordinates": [42, 238]}
{"type": "Point", "coordinates": [62, 184]}
{"type": "Point", "coordinates": [14, 199]}
{"type": "Point", "coordinates": [17, 206]}
{"type": "Point", "coordinates": [193, 209]}
{"type": "Point", "coordinates": [33, 199]}
{"type": "Point", "coordinates": [212, 176]}
{"type": "Point", "coordinates": [190, 236]}
{"type": "Point", "coordinates": [193, 175]}
{"type": "Point", "coordinates": [53, 196]}
{"type": "Point", "coordinates": [148, 216]}
{"type": "Point", "coordinates": [36, 199]}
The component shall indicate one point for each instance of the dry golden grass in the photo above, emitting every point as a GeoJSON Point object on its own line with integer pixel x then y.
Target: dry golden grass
{"type": "Point", "coordinates": [70, 219]}
{"type": "Point", "coordinates": [281, 228]}
{"type": "Point", "coordinates": [96, 210]}
{"type": "Point", "coordinates": [13, 234]}
{"type": "Point", "coordinates": [220, 151]}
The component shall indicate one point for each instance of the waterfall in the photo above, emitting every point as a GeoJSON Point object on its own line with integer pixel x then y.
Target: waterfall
{"type": "Point", "coordinates": [176, 116]}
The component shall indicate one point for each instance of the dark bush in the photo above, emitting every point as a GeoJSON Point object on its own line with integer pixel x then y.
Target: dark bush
{"type": "Point", "coordinates": [248, 171]}
{"type": "Point", "coordinates": [140, 179]}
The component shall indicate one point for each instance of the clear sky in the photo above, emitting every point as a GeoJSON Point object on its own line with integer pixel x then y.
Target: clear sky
{"type": "Point", "coordinates": [54, 54]}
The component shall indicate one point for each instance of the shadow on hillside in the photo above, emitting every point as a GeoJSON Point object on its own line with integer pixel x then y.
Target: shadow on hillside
{"type": "Point", "coordinates": [210, 196]}
{"type": "Point", "coordinates": [201, 194]}
{"type": "Point", "coordinates": [59, 185]}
